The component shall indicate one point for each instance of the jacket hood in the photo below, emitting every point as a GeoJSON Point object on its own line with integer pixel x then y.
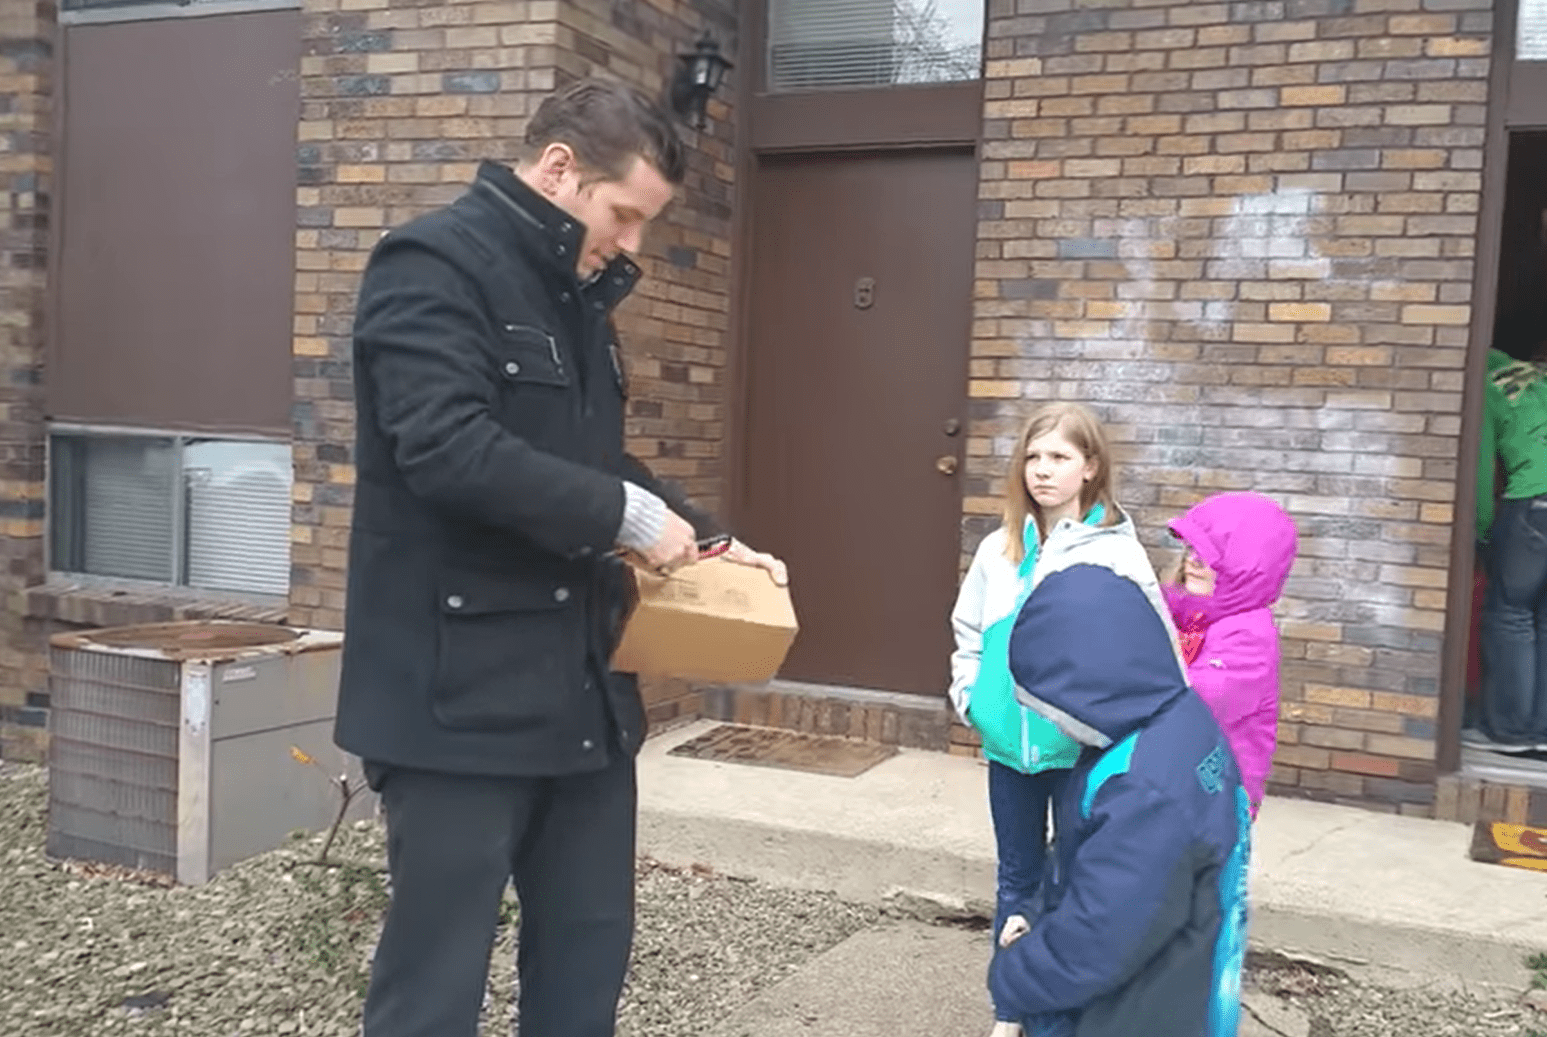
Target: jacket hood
{"type": "Point", "coordinates": [1249, 542]}
{"type": "Point", "coordinates": [1090, 652]}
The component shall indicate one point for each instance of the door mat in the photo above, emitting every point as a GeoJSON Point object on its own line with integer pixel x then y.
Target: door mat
{"type": "Point", "coordinates": [1515, 846]}
{"type": "Point", "coordinates": [790, 750]}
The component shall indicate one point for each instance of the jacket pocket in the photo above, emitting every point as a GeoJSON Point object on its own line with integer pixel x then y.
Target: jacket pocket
{"type": "Point", "coordinates": [510, 652]}
{"type": "Point", "coordinates": [529, 355]}
{"type": "Point", "coordinates": [537, 400]}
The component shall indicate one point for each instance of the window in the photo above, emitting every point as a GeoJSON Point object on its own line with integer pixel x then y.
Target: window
{"type": "Point", "coordinates": [827, 44]}
{"type": "Point", "coordinates": [213, 514]}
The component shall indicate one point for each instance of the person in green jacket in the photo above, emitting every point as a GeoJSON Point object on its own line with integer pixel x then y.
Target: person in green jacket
{"type": "Point", "coordinates": [1513, 533]}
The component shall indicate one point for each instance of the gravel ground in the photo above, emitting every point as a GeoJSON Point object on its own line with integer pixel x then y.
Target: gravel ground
{"type": "Point", "coordinates": [1337, 1007]}
{"type": "Point", "coordinates": [277, 946]}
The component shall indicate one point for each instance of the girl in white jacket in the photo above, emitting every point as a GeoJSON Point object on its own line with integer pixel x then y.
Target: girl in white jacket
{"type": "Point", "coordinates": [1059, 503]}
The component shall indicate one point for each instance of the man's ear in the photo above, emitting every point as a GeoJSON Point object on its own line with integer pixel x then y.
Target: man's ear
{"type": "Point", "coordinates": [552, 166]}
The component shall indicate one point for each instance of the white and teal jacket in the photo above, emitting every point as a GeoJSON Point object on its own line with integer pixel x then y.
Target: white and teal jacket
{"type": "Point", "coordinates": [982, 690]}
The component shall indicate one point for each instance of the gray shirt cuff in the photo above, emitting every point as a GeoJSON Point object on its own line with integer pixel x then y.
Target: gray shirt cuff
{"type": "Point", "coordinates": [644, 518]}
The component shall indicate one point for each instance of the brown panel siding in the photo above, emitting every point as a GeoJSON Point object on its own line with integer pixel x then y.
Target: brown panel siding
{"type": "Point", "coordinates": [177, 256]}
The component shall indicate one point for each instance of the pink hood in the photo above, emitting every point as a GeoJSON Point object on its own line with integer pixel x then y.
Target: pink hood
{"type": "Point", "coordinates": [1249, 542]}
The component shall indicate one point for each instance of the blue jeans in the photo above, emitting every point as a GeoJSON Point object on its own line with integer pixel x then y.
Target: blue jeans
{"type": "Point", "coordinates": [1514, 626]}
{"type": "Point", "coordinates": [1019, 805]}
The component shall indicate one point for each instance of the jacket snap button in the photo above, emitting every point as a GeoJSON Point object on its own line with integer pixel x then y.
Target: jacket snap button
{"type": "Point", "coordinates": [512, 368]}
{"type": "Point", "coordinates": [510, 327]}
{"type": "Point", "coordinates": [563, 297]}
{"type": "Point", "coordinates": [562, 594]}
{"type": "Point", "coordinates": [588, 745]}
{"type": "Point", "coordinates": [454, 601]}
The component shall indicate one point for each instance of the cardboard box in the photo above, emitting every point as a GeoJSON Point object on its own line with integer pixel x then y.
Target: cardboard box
{"type": "Point", "coordinates": [713, 621]}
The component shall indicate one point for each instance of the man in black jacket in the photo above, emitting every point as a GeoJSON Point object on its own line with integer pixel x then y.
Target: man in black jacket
{"type": "Point", "coordinates": [485, 591]}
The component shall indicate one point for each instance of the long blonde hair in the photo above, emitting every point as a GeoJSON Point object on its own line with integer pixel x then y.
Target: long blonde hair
{"type": "Point", "coordinates": [1084, 432]}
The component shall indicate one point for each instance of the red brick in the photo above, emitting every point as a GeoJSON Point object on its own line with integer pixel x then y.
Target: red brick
{"type": "Point", "coordinates": [1361, 763]}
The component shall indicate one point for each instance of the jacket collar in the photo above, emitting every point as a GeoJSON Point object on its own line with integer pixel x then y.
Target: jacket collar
{"type": "Point", "coordinates": [552, 234]}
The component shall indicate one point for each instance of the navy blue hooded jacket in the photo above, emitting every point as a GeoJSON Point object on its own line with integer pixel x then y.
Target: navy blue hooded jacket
{"type": "Point", "coordinates": [1142, 923]}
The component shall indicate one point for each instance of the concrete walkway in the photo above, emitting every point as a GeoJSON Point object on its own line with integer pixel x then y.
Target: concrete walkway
{"type": "Point", "coordinates": [906, 978]}
{"type": "Point", "coordinates": [1391, 899]}
{"type": "Point", "coordinates": [883, 982]}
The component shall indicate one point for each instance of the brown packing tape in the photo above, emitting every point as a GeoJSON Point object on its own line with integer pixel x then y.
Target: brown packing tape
{"type": "Point", "coordinates": [715, 620]}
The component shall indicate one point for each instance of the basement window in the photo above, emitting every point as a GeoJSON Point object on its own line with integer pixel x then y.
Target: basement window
{"type": "Point", "coordinates": [211, 514]}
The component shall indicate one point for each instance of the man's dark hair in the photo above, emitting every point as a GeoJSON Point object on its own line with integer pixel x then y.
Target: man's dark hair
{"type": "Point", "coordinates": [608, 124]}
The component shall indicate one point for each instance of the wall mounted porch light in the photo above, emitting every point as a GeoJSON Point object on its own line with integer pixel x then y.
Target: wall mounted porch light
{"type": "Point", "coordinates": [702, 72]}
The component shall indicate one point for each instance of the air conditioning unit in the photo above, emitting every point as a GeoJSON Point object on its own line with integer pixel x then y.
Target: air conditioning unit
{"type": "Point", "coordinates": [170, 743]}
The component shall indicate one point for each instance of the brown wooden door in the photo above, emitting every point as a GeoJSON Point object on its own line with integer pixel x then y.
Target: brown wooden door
{"type": "Point", "coordinates": [851, 393]}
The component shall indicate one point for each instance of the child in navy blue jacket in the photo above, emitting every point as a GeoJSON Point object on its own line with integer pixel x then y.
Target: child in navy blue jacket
{"type": "Point", "coordinates": [1141, 927]}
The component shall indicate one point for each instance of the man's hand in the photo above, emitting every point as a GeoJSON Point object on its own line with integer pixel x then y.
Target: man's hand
{"type": "Point", "coordinates": [741, 554]}
{"type": "Point", "coordinates": [675, 547]}
{"type": "Point", "coordinates": [1015, 927]}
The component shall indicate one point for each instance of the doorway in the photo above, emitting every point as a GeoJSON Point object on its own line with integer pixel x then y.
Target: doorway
{"type": "Point", "coordinates": [1519, 327]}
{"type": "Point", "coordinates": [859, 316]}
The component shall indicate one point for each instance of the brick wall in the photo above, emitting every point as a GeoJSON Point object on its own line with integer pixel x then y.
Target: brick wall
{"type": "Point", "coordinates": [26, 69]}
{"type": "Point", "coordinates": [400, 104]}
{"type": "Point", "coordinates": [674, 327]}
{"type": "Point", "coordinates": [1470, 799]}
{"type": "Point", "coordinates": [890, 718]}
{"type": "Point", "coordinates": [1244, 232]}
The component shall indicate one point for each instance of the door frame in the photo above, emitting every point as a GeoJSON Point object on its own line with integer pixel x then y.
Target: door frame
{"type": "Point", "coordinates": [1456, 639]}
{"type": "Point", "coordinates": [938, 116]}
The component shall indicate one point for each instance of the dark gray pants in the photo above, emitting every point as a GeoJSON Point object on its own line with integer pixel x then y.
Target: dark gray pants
{"type": "Point", "coordinates": [452, 842]}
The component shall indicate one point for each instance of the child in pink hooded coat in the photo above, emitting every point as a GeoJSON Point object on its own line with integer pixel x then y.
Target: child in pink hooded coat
{"type": "Point", "coordinates": [1240, 547]}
